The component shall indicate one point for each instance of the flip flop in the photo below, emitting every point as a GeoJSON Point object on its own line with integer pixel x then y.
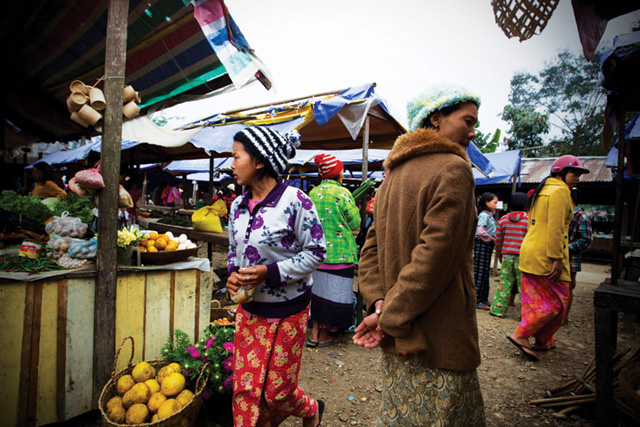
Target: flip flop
{"type": "Point", "coordinates": [328, 343]}
{"type": "Point", "coordinates": [320, 411]}
{"type": "Point", "coordinates": [523, 349]}
{"type": "Point", "coordinates": [311, 344]}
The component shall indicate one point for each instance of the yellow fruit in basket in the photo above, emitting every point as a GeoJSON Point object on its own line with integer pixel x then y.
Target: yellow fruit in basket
{"type": "Point", "coordinates": [165, 237]}
{"type": "Point", "coordinates": [167, 370]}
{"type": "Point", "coordinates": [175, 366]}
{"type": "Point", "coordinates": [152, 249]}
{"type": "Point", "coordinates": [137, 414]}
{"type": "Point", "coordinates": [161, 244]}
{"type": "Point", "coordinates": [124, 384]}
{"type": "Point", "coordinates": [184, 397]}
{"type": "Point", "coordinates": [139, 393]}
{"type": "Point", "coordinates": [168, 408]}
{"type": "Point", "coordinates": [114, 402]}
{"type": "Point", "coordinates": [153, 235]}
{"type": "Point", "coordinates": [126, 400]}
{"type": "Point", "coordinates": [153, 385]}
{"type": "Point", "coordinates": [143, 371]}
{"type": "Point", "coordinates": [155, 401]}
{"type": "Point", "coordinates": [172, 246]}
{"type": "Point", "coordinates": [117, 414]}
{"type": "Point", "coordinates": [173, 384]}
{"type": "Point", "coordinates": [154, 419]}
{"type": "Point", "coordinates": [143, 249]}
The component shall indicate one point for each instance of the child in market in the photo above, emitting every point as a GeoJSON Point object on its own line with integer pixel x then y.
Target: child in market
{"type": "Point", "coordinates": [483, 248]}
{"type": "Point", "coordinates": [510, 232]}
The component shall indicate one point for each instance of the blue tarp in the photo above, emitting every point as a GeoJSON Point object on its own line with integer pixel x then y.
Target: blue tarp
{"type": "Point", "coordinates": [506, 165]}
{"type": "Point", "coordinates": [631, 131]}
{"type": "Point", "coordinates": [347, 157]}
{"type": "Point", "coordinates": [324, 110]}
{"type": "Point", "coordinates": [197, 165]}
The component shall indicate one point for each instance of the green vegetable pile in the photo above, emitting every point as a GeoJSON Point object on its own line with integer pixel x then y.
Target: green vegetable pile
{"type": "Point", "coordinates": [30, 207]}
{"type": "Point", "coordinates": [23, 264]}
{"type": "Point", "coordinates": [175, 219]}
{"type": "Point", "coordinates": [76, 206]}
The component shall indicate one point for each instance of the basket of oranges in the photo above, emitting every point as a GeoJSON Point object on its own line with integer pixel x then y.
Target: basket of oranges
{"type": "Point", "coordinates": [165, 248]}
{"type": "Point", "coordinates": [150, 392]}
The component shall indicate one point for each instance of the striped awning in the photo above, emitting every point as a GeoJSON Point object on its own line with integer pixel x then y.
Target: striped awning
{"type": "Point", "coordinates": [50, 43]}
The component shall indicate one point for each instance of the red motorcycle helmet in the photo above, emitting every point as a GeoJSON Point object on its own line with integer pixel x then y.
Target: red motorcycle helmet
{"type": "Point", "coordinates": [568, 161]}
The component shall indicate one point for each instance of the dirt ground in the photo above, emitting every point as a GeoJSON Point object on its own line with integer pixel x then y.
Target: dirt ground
{"type": "Point", "coordinates": [347, 377]}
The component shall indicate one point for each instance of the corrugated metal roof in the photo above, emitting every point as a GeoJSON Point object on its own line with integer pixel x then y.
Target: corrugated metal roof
{"type": "Point", "coordinates": [534, 170]}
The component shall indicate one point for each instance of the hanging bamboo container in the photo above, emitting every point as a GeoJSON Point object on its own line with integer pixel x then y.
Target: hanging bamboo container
{"type": "Point", "coordinates": [128, 94]}
{"type": "Point", "coordinates": [76, 100]}
{"type": "Point", "coordinates": [76, 118]}
{"type": "Point", "coordinates": [89, 115]}
{"type": "Point", "coordinates": [78, 86]}
{"type": "Point", "coordinates": [97, 100]}
{"type": "Point", "coordinates": [131, 110]}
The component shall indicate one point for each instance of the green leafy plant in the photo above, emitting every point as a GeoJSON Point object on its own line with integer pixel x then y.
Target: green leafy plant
{"type": "Point", "coordinates": [215, 348]}
{"type": "Point", "coordinates": [30, 207]}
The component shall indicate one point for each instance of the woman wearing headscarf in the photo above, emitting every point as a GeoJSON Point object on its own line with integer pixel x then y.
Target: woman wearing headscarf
{"type": "Point", "coordinates": [416, 268]}
{"type": "Point", "coordinates": [332, 299]}
{"type": "Point", "coordinates": [544, 258]}
{"type": "Point", "coordinates": [275, 243]}
{"type": "Point", "coordinates": [45, 185]}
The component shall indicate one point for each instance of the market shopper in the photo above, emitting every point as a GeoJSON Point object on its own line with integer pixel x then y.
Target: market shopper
{"type": "Point", "coordinates": [158, 192]}
{"type": "Point", "coordinates": [332, 299]}
{"type": "Point", "coordinates": [544, 258]}
{"type": "Point", "coordinates": [483, 247]}
{"type": "Point", "coordinates": [416, 269]}
{"type": "Point", "coordinates": [275, 243]}
{"type": "Point", "coordinates": [510, 232]}
{"type": "Point", "coordinates": [580, 238]}
{"type": "Point", "coordinates": [45, 185]}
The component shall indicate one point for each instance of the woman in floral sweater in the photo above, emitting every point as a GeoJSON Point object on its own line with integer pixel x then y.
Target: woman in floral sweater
{"type": "Point", "coordinates": [275, 243]}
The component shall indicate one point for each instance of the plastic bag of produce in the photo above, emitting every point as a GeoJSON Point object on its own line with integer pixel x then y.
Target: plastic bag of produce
{"type": "Point", "coordinates": [68, 262]}
{"type": "Point", "coordinates": [208, 218]}
{"type": "Point", "coordinates": [67, 226]}
{"type": "Point", "coordinates": [124, 198]}
{"type": "Point", "coordinates": [83, 249]}
{"type": "Point", "coordinates": [59, 245]}
{"type": "Point", "coordinates": [77, 188]}
{"type": "Point", "coordinates": [89, 178]}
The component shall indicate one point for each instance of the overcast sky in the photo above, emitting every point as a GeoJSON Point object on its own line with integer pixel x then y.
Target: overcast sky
{"type": "Point", "coordinates": [403, 46]}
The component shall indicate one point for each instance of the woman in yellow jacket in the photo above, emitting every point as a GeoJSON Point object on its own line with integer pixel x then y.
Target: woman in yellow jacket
{"type": "Point", "coordinates": [544, 258]}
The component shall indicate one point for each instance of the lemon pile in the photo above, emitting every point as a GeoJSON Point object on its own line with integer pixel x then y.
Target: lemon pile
{"type": "Point", "coordinates": [147, 396]}
{"type": "Point", "coordinates": [156, 242]}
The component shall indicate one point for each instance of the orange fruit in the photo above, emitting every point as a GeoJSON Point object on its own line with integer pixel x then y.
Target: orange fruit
{"type": "Point", "coordinates": [153, 235]}
{"type": "Point", "coordinates": [152, 249]}
{"type": "Point", "coordinates": [161, 244]}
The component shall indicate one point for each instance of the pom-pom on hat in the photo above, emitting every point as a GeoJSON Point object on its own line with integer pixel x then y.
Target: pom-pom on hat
{"type": "Point", "coordinates": [329, 167]}
{"type": "Point", "coordinates": [436, 98]}
{"type": "Point", "coordinates": [270, 146]}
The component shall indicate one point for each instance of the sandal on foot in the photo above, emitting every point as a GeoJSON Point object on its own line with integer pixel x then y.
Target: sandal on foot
{"type": "Point", "coordinates": [523, 349]}
{"type": "Point", "coordinates": [483, 307]}
{"type": "Point", "coordinates": [320, 411]}
{"type": "Point", "coordinates": [335, 340]}
{"type": "Point", "coordinates": [311, 344]}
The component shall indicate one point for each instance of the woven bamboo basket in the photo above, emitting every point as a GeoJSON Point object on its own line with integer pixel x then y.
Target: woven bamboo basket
{"type": "Point", "coordinates": [629, 382]}
{"type": "Point", "coordinates": [186, 417]}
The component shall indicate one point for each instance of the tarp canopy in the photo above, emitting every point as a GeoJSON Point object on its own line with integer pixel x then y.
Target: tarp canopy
{"type": "Point", "coordinates": [196, 166]}
{"type": "Point", "coordinates": [173, 49]}
{"type": "Point", "coordinates": [506, 164]}
{"type": "Point", "coordinates": [330, 121]}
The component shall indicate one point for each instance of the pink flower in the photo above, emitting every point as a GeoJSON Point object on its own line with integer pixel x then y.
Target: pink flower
{"type": "Point", "coordinates": [228, 382]}
{"type": "Point", "coordinates": [228, 346]}
{"type": "Point", "coordinates": [193, 352]}
{"type": "Point", "coordinates": [210, 341]}
{"type": "Point", "coordinates": [227, 365]}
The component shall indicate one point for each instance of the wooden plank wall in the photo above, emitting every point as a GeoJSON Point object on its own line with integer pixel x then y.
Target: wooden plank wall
{"type": "Point", "coordinates": [46, 366]}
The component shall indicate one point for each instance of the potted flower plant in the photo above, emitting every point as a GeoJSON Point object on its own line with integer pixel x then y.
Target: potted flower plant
{"type": "Point", "coordinates": [127, 238]}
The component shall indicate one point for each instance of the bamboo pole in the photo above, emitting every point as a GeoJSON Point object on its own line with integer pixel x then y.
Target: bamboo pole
{"type": "Point", "coordinates": [105, 293]}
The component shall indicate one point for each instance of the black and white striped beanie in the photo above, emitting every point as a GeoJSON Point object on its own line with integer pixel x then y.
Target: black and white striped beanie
{"type": "Point", "coordinates": [270, 146]}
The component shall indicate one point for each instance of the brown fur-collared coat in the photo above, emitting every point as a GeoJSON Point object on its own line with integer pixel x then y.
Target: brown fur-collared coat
{"type": "Point", "coordinates": [418, 252]}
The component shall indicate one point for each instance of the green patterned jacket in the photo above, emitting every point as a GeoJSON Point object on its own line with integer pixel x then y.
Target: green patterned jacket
{"type": "Point", "coordinates": [339, 216]}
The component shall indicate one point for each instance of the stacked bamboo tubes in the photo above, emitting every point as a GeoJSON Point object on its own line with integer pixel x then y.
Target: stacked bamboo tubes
{"type": "Point", "coordinates": [579, 392]}
{"type": "Point", "coordinates": [85, 103]}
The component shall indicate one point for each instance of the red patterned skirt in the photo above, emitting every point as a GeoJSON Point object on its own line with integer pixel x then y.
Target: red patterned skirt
{"type": "Point", "coordinates": [266, 359]}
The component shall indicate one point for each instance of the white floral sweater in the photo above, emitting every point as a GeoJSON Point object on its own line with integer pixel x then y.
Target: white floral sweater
{"type": "Point", "coordinates": [284, 233]}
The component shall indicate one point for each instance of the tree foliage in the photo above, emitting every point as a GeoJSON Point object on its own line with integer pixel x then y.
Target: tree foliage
{"type": "Point", "coordinates": [487, 142]}
{"type": "Point", "coordinates": [559, 110]}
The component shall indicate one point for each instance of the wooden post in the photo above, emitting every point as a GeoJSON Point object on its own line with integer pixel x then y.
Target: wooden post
{"type": "Point", "coordinates": [363, 206]}
{"type": "Point", "coordinates": [105, 294]}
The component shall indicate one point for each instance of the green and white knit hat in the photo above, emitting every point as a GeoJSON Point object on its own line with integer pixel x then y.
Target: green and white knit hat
{"type": "Point", "coordinates": [436, 98]}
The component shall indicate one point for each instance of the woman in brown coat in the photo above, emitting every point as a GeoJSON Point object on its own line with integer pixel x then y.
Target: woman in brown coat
{"type": "Point", "coordinates": [416, 269]}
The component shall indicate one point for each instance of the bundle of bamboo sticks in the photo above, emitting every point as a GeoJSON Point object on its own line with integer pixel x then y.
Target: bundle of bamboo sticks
{"type": "Point", "coordinates": [578, 392]}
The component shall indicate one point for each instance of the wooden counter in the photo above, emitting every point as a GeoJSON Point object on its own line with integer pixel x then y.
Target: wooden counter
{"type": "Point", "coordinates": [47, 335]}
